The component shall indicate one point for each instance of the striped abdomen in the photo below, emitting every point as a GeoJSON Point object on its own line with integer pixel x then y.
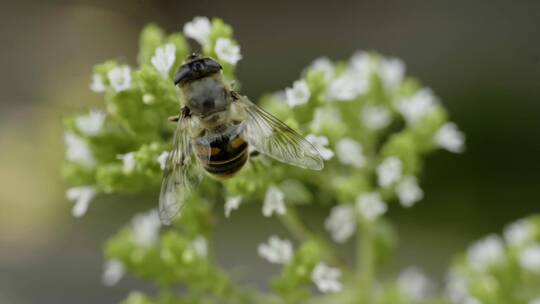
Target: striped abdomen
{"type": "Point", "coordinates": [224, 155]}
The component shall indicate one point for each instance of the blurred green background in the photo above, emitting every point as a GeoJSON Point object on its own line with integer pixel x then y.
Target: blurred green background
{"type": "Point", "coordinates": [481, 57]}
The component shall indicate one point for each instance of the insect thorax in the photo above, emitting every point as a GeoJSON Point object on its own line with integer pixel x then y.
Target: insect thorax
{"type": "Point", "coordinates": [206, 96]}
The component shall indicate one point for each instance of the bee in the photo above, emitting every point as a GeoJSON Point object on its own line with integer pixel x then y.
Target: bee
{"type": "Point", "coordinates": [214, 129]}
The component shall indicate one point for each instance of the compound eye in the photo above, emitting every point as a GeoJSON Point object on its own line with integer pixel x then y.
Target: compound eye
{"type": "Point", "coordinates": [198, 66]}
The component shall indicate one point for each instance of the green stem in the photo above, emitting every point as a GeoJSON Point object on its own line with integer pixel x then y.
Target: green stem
{"type": "Point", "coordinates": [292, 222]}
{"type": "Point", "coordinates": [366, 258]}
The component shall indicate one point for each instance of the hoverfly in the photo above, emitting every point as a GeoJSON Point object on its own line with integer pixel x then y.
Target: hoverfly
{"type": "Point", "coordinates": [214, 129]}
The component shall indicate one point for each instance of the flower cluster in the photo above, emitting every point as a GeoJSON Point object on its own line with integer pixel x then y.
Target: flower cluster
{"type": "Point", "coordinates": [371, 123]}
{"type": "Point", "coordinates": [500, 269]}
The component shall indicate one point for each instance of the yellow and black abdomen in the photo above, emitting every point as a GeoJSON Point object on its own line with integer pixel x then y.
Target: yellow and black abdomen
{"type": "Point", "coordinates": [222, 156]}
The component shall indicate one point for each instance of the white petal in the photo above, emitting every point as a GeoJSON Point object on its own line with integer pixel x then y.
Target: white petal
{"type": "Point", "coordinates": [199, 29]}
{"type": "Point", "coordinates": [408, 191]}
{"type": "Point", "coordinates": [232, 203]}
{"type": "Point", "coordinates": [349, 152]}
{"type": "Point", "coordinates": [519, 233]}
{"type": "Point", "coordinates": [327, 279]}
{"type": "Point", "coordinates": [113, 271]}
{"type": "Point", "coordinates": [472, 300]}
{"type": "Point", "coordinates": [162, 159]}
{"type": "Point", "coordinates": [375, 117]}
{"type": "Point", "coordinates": [418, 106]}
{"type": "Point", "coordinates": [341, 223]}
{"type": "Point", "coordinates": [485, 253]}
{"type": "Point", "coordinates": [392, 71]}
{"type": "Point", "coordinates": [148, 99]}
{"type": "Point", "coordinates": [200, 246]}
{"type": "Point", "coordinates": [361, 63]}
{"type": "Point", "coordinates": [97, 84]}
{"type": "Point", "coordinates": [78, 150]}
{"type": "Point", "coordinates": [353, 82]}
{"type": "Point", "coordinates": [320, 143]}
{"type": "Point", "coordinates": [370, 205]}
{"type": "Point", "coordinates": [299, 93]}
{"type": "Point", "coordinates": [227, 51]}
{"type": "Point", "coordinates": [82, 196]}
{"type": "Point", "coordinates": [163, 60]}
{"type": "Point", "coordinates": [274, 202]}
{"type": "Point", "coordinates": [450, 138]}
{"type": "Point", "coordinates": [389, 171]}
{"type": "Point", "coordinates": [277, 251]}
{"type": "Point", "coordinates": [325, 65]}
{"type": "Point", "coordinates": [146, 228]}
{"type": "Point", "coordinates": [456, 287]}
{"type": "Point", "coordinates": [347, 86]}
{"type": "Point", "coordinates": [92, 123]}
{"type": "Point", "coordinates": [535, 301]}
{"type": "Point", "coordinates": [128, 162]}
{"type": "Point", "coordinates": [120, 78]}
{"type": "Point", "coordinates": [325, 117]}
{"type": "Point", "coordinates": [414, 284]}
{"type": "Point", "coordinates": [529, 259]}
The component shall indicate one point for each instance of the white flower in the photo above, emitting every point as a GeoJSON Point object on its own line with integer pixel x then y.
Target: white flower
{"type": "Point", "coordinates": [128, 162]}
{"type": "Point", "coordinates": [320, 143]}
{"type": "Point", "coordinates": [148, 98]}
{"type": "Point", "coordinates": [472, 300]}
{"type": "Point", "coordinates": [414, 284]}
{"type": "Point", "coordinates": [519, 233]}
{"type": "Point", "coordinates": [92, 123]}
{"type": "Point", "coordinates": [375, 117]}
{"type": "Point", "coordinates": [341, 223]}
{"type": "Point", "coordinates": [456, 288]}
{"type": "Point", "coordinates": [273, 202]}
{"type": "Point", "coordinates": [535, 301]}
{"type": "Point", "coordinates": [81, 196]}
{"type": "Point", "coordinates": [370, 205]}
{"type": "Point", "coordinates": [391, 72]}
{"type": "Point", "coordinates": [113, 271]}
{"type": "Point", "coordinates": [162, 159]}
{"type": "Point", "coordinates": [120, 78]}
{"type": "Point", "coordinates": [199, 29]}
{"type": "Point", "coordinates": [325, 65]}
{"type": "Point", "coordinates": [325, 117]}
{"type": "Point", "coordinates": [450, 138]}
{"type": "Point", "coordinates": [529, 258]}
{"type": "Point", "coordinates": [146, 228]}
{"type": "Point", "coordinates": [349, 152]}
{"type": "Point", "coordinates": [227, 51]}
{"type": "Point", "coordinates": [97, 84]}
{"type": "Point", "coordinates": [361, 63]}
{"type": "Point", "coordinates": [276, 251]}
{"type": "Point", "coordinates": [200, 246]}
{"type": "Point", "coordinates": [418, 106]}
{"type": "Point", "coordinates": [347, 86]}
{"type": "Point", "coordinates": [485, 252]}
{"type": "Point", "coordinates": [298, 94]}
{"type": "Point", "coordinates": [353, 82]}
{"type": "Point", "coordinates": [408, 191]}
{"type": "Point", "coordinates": [326, 278]}
{"type": "Point", "coordinates": [232, 203]}
{"type": "Point", "coordinates": [78, 151]}
{"type": "Point", "coordinates": [164, 58]}
{"type": "Point", "coordinates": [389, 171]}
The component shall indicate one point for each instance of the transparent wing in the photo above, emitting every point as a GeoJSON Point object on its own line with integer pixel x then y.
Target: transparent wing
{"type": "Point", "coordinates": [270, 136]}
{"type": "Point", "coordinates": [181, 174]}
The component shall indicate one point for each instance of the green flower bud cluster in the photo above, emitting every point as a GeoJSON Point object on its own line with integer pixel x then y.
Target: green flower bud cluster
{"type": "Point", "coordinates": [500, 269]}
{"type": "Point", "coordinates": [371, 123]}
{"type": "Point", "coordinates": [134, 120]}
